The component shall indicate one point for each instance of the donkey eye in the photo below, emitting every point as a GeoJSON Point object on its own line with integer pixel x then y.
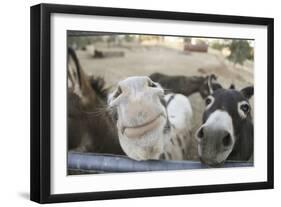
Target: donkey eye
{"type": "Point", "coordinates": [245, 108]}
{"type": "Point", "coordinates": [209, 102]}
{"type": "Point", "coordinates": [152, 84]}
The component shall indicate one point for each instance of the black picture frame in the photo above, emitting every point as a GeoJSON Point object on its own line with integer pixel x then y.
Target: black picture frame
{"type": "Point", "coordinates": [41, 102]}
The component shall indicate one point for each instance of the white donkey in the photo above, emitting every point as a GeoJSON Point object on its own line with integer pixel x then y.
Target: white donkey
{"type": "Point", "coordinates": [150, 125]}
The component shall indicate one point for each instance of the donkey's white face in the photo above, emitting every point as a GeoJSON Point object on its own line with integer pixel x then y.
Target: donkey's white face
{"type": "Point", "coordinates": [138, 107]}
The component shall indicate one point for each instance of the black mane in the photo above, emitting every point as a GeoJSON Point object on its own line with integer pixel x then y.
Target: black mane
{"type": "Point", "coordinates": [98, 85]}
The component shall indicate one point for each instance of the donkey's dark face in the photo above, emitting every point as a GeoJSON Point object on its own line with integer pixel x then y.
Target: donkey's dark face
{"type": "Point", "coordinates": [226, 119]}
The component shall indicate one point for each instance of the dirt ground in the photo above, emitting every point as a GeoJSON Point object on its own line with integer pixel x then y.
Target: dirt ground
{"type": "Point", "coordinates": [144, 60]}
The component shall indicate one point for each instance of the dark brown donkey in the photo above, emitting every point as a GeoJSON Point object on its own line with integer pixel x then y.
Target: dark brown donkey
{"type": "Point", "coordinates": [187, 85]}
{"type": "Point", "coordinates": [90, 127]}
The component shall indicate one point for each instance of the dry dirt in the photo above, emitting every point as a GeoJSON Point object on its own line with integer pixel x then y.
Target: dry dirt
{"type": "Point", "coordinates": [147, 60]}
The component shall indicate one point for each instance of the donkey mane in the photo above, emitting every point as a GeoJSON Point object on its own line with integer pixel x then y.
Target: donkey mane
{"type": "Point", "coordinates": [98, 85]}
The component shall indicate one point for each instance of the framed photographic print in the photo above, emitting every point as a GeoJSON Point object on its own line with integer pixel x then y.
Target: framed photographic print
{"type": "Point", "coordinates": [133, 103]}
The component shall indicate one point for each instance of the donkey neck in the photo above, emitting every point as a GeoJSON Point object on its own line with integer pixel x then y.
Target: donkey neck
{"type": "Point", "coordinates": [193, 83]}
{"type": "Point", "coordinates": [243, 149]}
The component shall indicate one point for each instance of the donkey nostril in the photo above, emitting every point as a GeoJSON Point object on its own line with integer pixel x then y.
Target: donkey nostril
{"type": "Point", "coordinates": [200, 134]}
{"type": "Point", "coordinates": [227, 140]}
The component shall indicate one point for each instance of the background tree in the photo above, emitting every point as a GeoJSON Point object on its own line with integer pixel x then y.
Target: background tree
{"type": "Point", "coordinates": [240, 51]}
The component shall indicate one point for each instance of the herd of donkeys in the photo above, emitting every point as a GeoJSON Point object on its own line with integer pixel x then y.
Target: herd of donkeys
{"type": "Point", "coordinates": [150, 117]}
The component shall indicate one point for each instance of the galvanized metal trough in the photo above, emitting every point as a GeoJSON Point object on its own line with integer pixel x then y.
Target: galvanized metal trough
{"type": "Point", "coordinates": [108, 163]}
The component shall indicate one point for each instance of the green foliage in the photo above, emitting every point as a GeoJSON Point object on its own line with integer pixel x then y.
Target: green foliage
{"type": "Point", "coordinates": [217, 46]}
{"type": "Point", "coordinates": [82, 41]}
{"type": "Point", "coordinates": [129, 38]}
{"type": "Point", "coordinates": [79, 41]}
{"type": "Point", "coordinates": [111, 39]}
{"type": "Point", "coordinates": [187, 39]}
{"type": "Point", "coordinates": [240, 51]}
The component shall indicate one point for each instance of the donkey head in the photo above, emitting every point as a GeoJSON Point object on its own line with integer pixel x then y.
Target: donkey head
{"type": "Point", "coordinates": [90, 128]}
{"type": "Point", "coordinates": [227, 129]}
{"type": "Point", "coordinates": [138, 107]}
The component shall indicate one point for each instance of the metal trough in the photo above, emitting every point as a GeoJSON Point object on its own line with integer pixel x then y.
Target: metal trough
{"type": "Point", "coordinates": [97, 163]}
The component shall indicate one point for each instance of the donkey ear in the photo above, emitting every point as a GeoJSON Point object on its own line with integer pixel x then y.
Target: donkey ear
{"type": "Point", "coordinates": [248, 92]}
{"type": "Point", "coordinates": [232, 86]}
{"type": "Point", "coordinates": [78, 82]}
{"type": "Point", "coordinates": [209, 85]}
{"type": "Point", "coordinates": [73, 72]}
{"type": "Point", "coordinates": [212, 83]}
